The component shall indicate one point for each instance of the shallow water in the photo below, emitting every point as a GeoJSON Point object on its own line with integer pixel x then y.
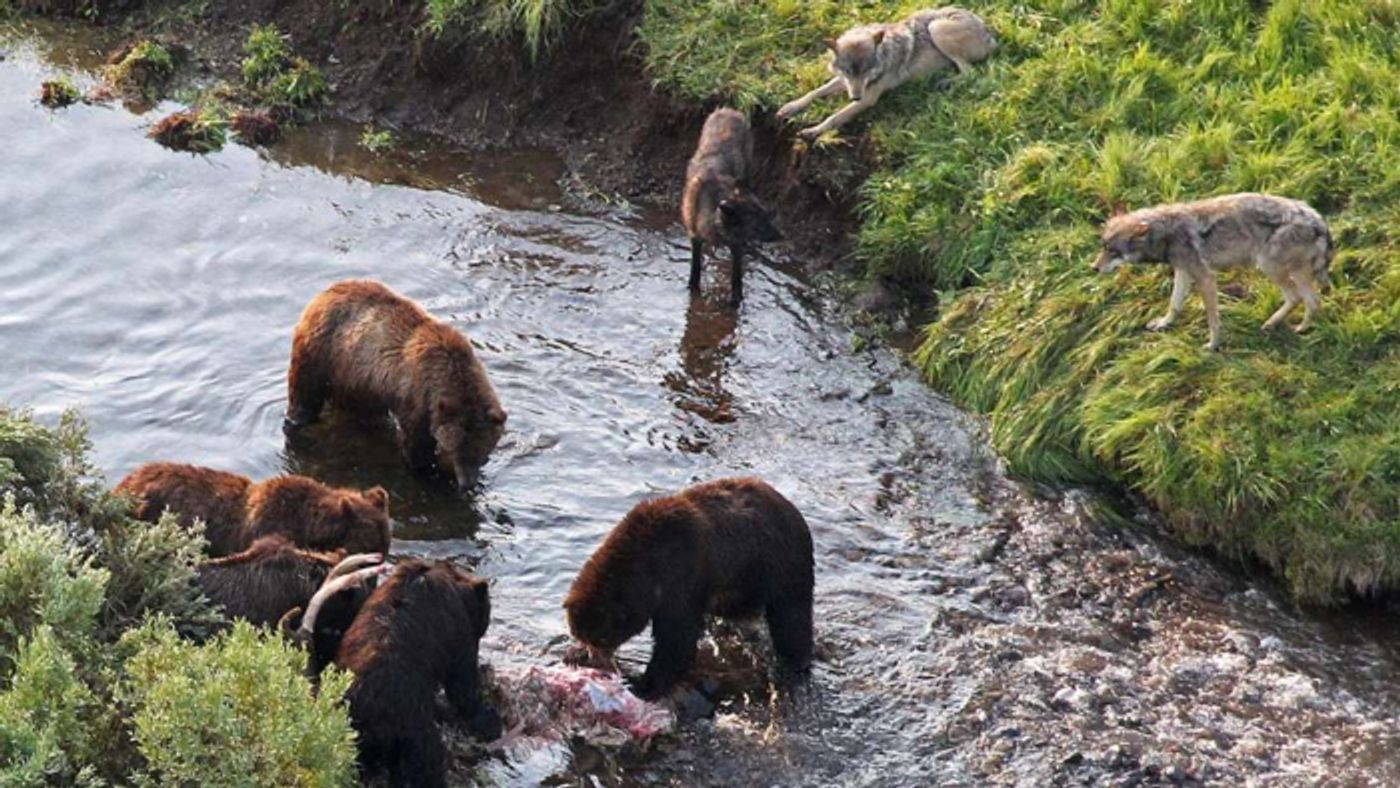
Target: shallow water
{"type": "Point", "coordinates": [968, 633]}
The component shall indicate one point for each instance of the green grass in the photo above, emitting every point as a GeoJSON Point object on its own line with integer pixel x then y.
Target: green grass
{"type": "Point", "coordinates": [539, 23]}
{"type": "Point", "coordinates": [991, 187]}
{"type": "Point", "coordinates": [277, 77]}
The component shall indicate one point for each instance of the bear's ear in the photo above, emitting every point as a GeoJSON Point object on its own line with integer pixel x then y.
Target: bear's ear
{"type": "Point", "coordinates": [378, 498]}
{"type": "Point", "coordinates": [830, 43]}
{"type": "Point", "coordinates": [347, 508]}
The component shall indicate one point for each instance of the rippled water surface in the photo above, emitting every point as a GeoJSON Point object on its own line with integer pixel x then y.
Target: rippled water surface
{"type": "Point", "coordinates": [156, 291]}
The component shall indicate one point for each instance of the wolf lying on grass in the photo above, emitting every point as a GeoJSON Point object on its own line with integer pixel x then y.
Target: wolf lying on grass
{"type": "Point", "coordinates": [1286, 239]}
{"type": "Point", "coordinates": [872, 59]}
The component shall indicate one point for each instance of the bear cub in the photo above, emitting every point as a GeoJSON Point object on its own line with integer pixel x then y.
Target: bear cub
{"type": "Point", "coordinates": [236, 510]}
{"type": "Point", "coordinates": [734, 548]}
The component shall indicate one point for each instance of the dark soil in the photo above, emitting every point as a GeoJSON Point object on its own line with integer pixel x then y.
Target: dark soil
{"type": "Point", "coordinates": [588, 99]}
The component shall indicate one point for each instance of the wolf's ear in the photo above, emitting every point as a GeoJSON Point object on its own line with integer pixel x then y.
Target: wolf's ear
{"type": "Point", "coordinates": [1140, 229]}
{"type": "Point", "coordinates": [830, 43]}
{"type": "Point", "coordinates": [878, 37]}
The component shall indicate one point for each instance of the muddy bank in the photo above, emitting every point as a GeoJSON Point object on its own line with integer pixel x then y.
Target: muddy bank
{"type": "Point", "coordinates": [587, 99]}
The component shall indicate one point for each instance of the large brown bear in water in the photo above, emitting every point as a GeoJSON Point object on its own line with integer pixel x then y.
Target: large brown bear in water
{"type": "Point", "coordinates": [236, 510]}
{"type": "Point", "coordinates": [273, 576]}
{"type": "Point", "coordinates": [366, 347]}
{"type": "Point", "coordinates": [733, 547]}
{"type": "Point", "coordinates": [418, 631]}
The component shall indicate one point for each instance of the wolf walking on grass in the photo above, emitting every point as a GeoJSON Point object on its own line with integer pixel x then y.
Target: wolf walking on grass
{"type": "Point", "coordinates": [872, 59]}
{"type": "Point", "coordinates": [1286, 239]}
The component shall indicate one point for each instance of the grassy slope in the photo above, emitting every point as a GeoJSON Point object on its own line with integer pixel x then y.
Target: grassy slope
{"type": "Point", "coordinates": [1284, 447]}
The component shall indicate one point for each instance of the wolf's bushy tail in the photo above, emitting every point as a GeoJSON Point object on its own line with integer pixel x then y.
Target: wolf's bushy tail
{"type": "Point", "coordinates": [1321, 270]}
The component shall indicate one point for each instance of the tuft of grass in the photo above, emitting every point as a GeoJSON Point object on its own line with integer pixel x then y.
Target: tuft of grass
{"type": "Point", "coordinates": [202, 130]}
{"type": "Point", "coordinates": [58, 93]}
{"type": "Point", "coordinates": [991, 186]}
{"type": "Point", "coordinates": [276, 76]}
{"type": "Point", "coordinates": [141, 69]}
{"type": "Point", "coordinates": [377, 141]}
{"type": "Point", "coordinates": [539, 23]}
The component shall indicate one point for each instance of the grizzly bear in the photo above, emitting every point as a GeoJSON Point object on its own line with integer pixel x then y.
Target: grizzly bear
{"type": "Point", "coordinates": [271, 577]}
{"type": "Point", "coordinates": [733, 548]}
{"type": "Point", "coordinates": [367, 348]}
{"type": "Point", "coordinates": [418, 631]}
{"type": "Point", "coordinates": [236, 510]}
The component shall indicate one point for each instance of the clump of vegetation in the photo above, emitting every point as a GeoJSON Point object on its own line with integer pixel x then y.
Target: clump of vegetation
{"type": "Point", "coordinates": [246, 695]}
{"type": "Point", "coordinates": [140, 69]}
{"type": "Point", "coordinates": [198, 131]}
{"type": "Point", "coordinates": [377, 141]}
{"type": "Point", "coordinates": [96, 688]}
{"type": "Point", "coordinates": [539, 23]}
{"type": "Point", "coordinates": [255, 127]}
{"type": "Point", "coordinates": [58, 93]}
{"type": "Point", "coordinates": [991, 186]}
{"type": "Point", "coordinates": [277, 77]}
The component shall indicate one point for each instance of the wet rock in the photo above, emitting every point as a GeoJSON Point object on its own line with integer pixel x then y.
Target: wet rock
{"type": "Point", "coordinates": [58, 93]}
{"type": "Point", "coordinates": [877, 298]}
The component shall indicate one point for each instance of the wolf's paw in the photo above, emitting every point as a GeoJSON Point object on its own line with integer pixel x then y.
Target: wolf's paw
{"type": "Point", "coordinates": [789, 109]}
{"type": "Point", "coordinates": [1160, 324]}
{"type": "Point", "coordinates": [812, 133]}
{"type": "Point", "coordinates": [1212, 346]}
{"type": "Point", "coordinates": [1303, 328]}
{"type": "Point", "coordinates": [1269, 325]}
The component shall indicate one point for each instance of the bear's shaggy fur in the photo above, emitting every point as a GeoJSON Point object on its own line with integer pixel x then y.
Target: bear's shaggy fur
{"type": "Point", "coordinates": [418, 631]}
{"type": "Point", "coordinates": [733, 548]}
{"type": "Point", "coordinates": [365, 347]}
{"type": "Point", "coordinates": [236, 510]}
{"type": "Point", "coordinates": [263, 582]}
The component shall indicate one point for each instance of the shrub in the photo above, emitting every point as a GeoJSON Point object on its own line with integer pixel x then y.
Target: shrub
{"type": "Point", "coordinates": [44, 736]}
{"type": "Point", "coordinates": [141, 69]}
{"type": "Point", "coordinates": [277, 77]}
{"type": "Point", "coordinates": [237, 710]}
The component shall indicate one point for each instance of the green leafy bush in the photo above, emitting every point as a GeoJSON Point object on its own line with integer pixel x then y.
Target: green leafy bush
{"type": "Point", "coordinates": [237, 710]}
{"type": "Point", "coordinates": [142, 70]}
{"type": "Point", "coordinates": [44, 736]}
{"type": "Point", "coordinates": [276, 76]}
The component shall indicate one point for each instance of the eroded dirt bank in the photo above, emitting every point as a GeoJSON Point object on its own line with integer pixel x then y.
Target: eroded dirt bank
{"type": "Point", "coordinates": [587, 99]}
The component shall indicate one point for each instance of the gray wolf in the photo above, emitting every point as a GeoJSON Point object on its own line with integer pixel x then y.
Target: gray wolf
{"type": "Point", "coordinates": [872, 59]}
{"type": "Point", "coordinates": [1286, 239]}
{"type": "Point", "coordinates": [717, 206]}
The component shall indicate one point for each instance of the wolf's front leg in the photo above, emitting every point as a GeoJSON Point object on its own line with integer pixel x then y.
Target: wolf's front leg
{"type": "Point", "coordinates": [841, 118]}
{"type": "Point", "coordinates": [1181, 288]}
{"type": "Point", "coordinates": [797, 105]}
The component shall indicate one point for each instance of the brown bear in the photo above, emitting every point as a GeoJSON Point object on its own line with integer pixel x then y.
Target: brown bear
{"type": "Point", "coordinates": [733, 548]}
{"type": "Point", "coordinates": [271, 577]}
{"type": "Point", "coordinates": [367, 348]}
{"type": "Point", "coordinates": [418, 631]}
{"type": "Point", "coordinates": [236, 510]}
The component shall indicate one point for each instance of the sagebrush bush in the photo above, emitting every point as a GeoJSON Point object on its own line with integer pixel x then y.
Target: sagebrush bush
{"type": "Point", "coordinates": [236, 711]}
{"type": "Point", "coordinates": [45, 730]}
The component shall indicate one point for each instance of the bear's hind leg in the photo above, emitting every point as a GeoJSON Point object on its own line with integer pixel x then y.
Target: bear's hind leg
{"type": "Point", "coordinates": [421, 760]}
{"type": "Point", "coordinates": [464, 693]}
{"type": "Point", "coordinates": [790, 625]}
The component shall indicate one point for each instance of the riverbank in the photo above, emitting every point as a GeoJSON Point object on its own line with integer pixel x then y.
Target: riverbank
{"type": "Point", "coordinates": [989, 187]}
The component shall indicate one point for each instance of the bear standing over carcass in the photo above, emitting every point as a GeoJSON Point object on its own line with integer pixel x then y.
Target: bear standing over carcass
{"type": "Point", "coordinates": [236, 510]}
{"type": "Point", "coordinates": [734, 548]}
{"type": "Point", "coordinates": [363, 346]}
{"type": "Point", "coordinates": [418, 631]}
